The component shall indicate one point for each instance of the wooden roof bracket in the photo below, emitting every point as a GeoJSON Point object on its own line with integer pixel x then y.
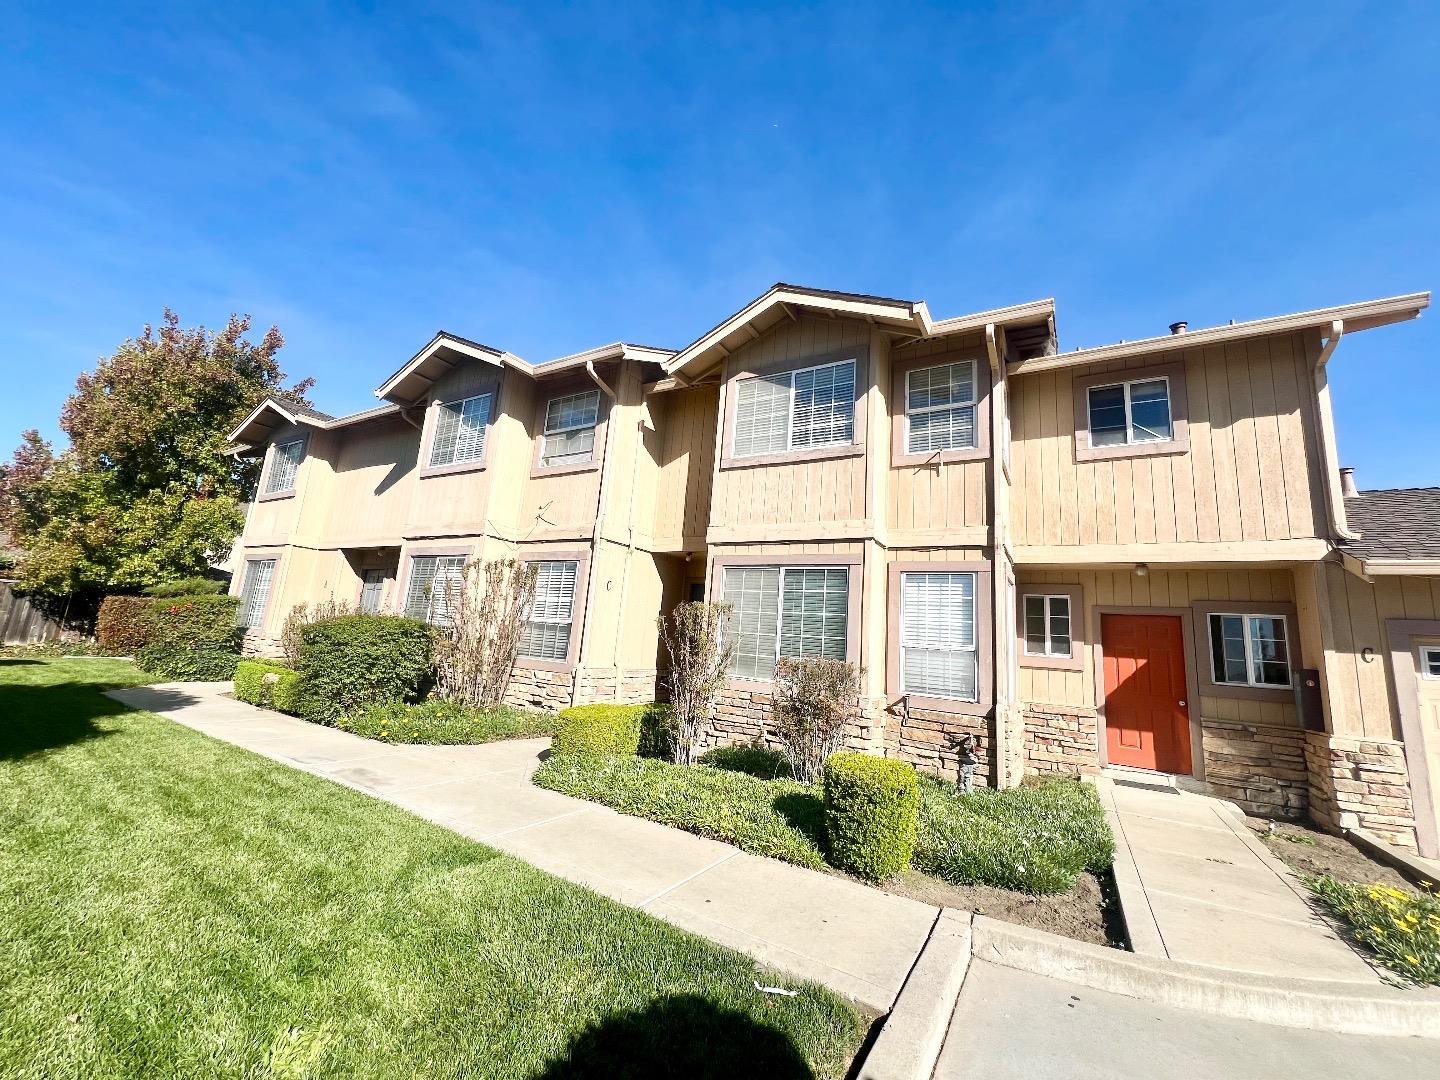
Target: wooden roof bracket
{"type": "Point", "coordinates": [1329, 455]}
{"type": "Point", "coordinates": [595, 378]}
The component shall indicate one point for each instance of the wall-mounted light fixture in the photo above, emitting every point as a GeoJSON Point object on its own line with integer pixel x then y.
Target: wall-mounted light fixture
{"type": "Point", "coordinates": [1141, 569]}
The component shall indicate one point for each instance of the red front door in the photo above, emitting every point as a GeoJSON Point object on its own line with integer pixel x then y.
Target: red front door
{"type": "Point", "coordinates": [1147, 721]}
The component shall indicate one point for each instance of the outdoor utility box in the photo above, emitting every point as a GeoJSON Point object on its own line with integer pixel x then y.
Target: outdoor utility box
{"type": "Point", "coordinates": [1307, 699]}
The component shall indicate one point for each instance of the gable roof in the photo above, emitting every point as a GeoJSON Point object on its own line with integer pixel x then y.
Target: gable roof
{"type": "Point", "coordinates": [273, 413]}
{"type": "Point", "coordinates": [1395, 525]}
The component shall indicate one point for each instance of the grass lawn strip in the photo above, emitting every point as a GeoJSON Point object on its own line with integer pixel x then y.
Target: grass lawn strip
{"type": "Point", "coordinates": [444, 723]}
{"type": "Point", "coordinates": [177, 907]}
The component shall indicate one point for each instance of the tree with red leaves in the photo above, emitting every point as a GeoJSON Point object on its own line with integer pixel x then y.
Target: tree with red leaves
{"type": "Point", "coordinates": [145, 492]}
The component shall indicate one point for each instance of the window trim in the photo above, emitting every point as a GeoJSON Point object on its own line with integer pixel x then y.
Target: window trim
{"type": "Point", "coordinates": [581, 559]}
{"type": "Point", "coordinates": [1205, 660]}
{"type": "Point", "coordinates": [259, 555]}
{"type": "Point", "coordinates": [577, 384]}
{"type": "Point", "coordinates": [1078, 637]}
{"type": "Point", "coordinates": [1424, 669]}
{"type": "Point", "coordinates": [492, 386]}
{"type": "Point", "coordinates": [853, 564]}
{"type": "Point", "coordinates": [1179, 442]}
{"type": "Point", "coordinates": [900, 415]}
{"type": "Point", "coordinates": [737, 372]}
{"type": "Point", "coordinates": [406, 567]}
{"type": "Point", "coordinates": [261, 495]}
{"type": "Point", "coordinates": [984, 637]}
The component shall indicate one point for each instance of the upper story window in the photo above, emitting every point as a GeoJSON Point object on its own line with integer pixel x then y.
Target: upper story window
{"type": "Point", "coordinates": [939, 656]}
{"type": "Point", "coordinates": [460, 431]}
{"type": "Point", "coordinates": [785, 611]}
{"type": "Point", "coordinates": [1047, 625]}
{"type": "Point", "coordinates": [1125, 413]}
{"type": "Point", "coordinates": [570, 429]}
{"type": "Point", "coordinates": [1430, 662]}
{"type": "Point", "coordinates": [552, 613]}
{"type": "Point", "coordinates": [795, 410]}
{"type": "Point", "coordinates": [940, 408]}
{"type": "Point", "coordinates": [284, 466]}
{"type": "Point", "coordinates": [255, 593]}
{"type": "Point", "coordinates": [1249, 650]}
{"type": "Point", "coordinates": [431, 578]}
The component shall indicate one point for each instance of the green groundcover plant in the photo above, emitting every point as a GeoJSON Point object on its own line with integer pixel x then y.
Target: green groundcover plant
{"type": "Point", "coordinates": [440, 722]}
{"type": "Point", "coordinates": [1402, 928]}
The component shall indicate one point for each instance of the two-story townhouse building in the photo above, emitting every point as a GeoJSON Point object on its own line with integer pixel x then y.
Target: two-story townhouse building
{"type": "Point", "coordinates": [1139, 556]}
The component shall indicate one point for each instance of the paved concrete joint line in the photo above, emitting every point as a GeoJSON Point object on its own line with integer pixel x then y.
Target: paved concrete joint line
{"type": "Point", "coordinates": [858, 941]}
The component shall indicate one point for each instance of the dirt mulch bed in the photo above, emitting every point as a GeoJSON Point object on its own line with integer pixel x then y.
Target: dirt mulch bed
{"type": "Point", "coordinates": [1085, 913]}
{"type": "Point", "coordinates": [1308, 851]}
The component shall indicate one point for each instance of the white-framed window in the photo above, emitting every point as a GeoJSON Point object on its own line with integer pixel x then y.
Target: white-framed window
{"type": "Point", "coordinates": [940, 408]}
{"type": "Point", "coordinates": [1047, 625]}
{"type": "Point", "coordinates": [255, 592]}
{"type": "Point", "coordinates": [570, 429]}
{"type": "Point", "coordinates": [284, 466]}
{"type": "Point", "coordinates": [1137, 411]}
{"type": "Point", "coordinates": [780, 611]}
{"type": "Point", "coordinates": [1430, 661]}
{"type": "Point", "coordinates": [939, 656]}
{"type": "Point", "coordinates": [552, 614]}
{"type": "Point", "coordinates": [427, 597]}
{"type": "Point", "coordinates": [460, 430]}
{"type": "Point", "coordinates": [795, 410]}
{"type": "Point", "coordinates": [1249, 650]}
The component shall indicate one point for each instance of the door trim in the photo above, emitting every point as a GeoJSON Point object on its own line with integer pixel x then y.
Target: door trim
{"type": "Point", "coordinates": [1423, 795]}
{"type": "Point", "coordinates": [1192, 684]}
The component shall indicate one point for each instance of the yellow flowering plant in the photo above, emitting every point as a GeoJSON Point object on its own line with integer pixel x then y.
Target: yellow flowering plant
{"type": "Point", "coordinates": [1402, 928]}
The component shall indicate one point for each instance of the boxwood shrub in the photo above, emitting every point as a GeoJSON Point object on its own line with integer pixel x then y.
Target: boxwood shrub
{"type": "Point", "coordinates": [349, 663]}
{"type": "Point", "coordinates": [120, 627]}
{"type": "Point", "coordinates": [190, 638]}
{"type": "Point", "coordinates": [614, 729]}
{"type": "Point", "coordinates": [268, 684]}
{"type": "Point", "coordinates": [871, 808]}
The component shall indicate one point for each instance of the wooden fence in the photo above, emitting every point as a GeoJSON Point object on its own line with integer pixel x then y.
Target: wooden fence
{"type": "Point", "coordinates": [22, 623]}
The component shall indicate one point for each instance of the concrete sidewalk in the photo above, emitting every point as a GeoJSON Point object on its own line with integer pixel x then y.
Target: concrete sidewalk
{"type": "Point", "coordinates": [856, 940]}
{"type": "Point", "coordinates": [1201, 887]}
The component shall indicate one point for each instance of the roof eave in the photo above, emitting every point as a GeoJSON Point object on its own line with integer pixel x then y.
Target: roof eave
{"type": "Point", "coordinates": [414, 371]}
{"type": "Point", "coordinates": [1413, 567]}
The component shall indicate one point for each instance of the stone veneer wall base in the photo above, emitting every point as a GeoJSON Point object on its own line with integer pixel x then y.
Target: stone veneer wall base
{"type": "Point", "coordinates": [1358, 783]}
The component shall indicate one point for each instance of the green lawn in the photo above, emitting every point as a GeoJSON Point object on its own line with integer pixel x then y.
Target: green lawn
{"type": "Point", "coordinates": [172, 906]}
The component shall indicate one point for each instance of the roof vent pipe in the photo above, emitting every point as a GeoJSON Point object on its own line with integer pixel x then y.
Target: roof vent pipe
{"type": "Point", "coordinates": [1347, 483]}
{"type": "Point", "coordinates": [1179, 327]}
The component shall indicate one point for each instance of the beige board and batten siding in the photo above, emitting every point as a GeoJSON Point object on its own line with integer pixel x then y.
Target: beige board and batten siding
{"type": "Point", "coordinates": [371, 493]}
{"type": "Point", "coordinates": [1250, 472]}
{"type": "Point", "coordinates": [685, 422]}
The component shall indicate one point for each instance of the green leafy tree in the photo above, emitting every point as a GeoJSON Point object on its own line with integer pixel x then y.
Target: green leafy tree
{"type": "Point", "coordinates": [145, 491]}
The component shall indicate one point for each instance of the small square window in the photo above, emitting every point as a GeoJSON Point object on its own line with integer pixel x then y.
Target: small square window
{"type": "Point", "coordinates": [1127, 413]}
{"type": "Point", "coordinates": [1430, 662]}
{"type": "Point", "coordinates": [570, 429]}
{"type": "Point", "coordinates": [1249, 650]}
{"type": "Point", "coordinates": [1047, 626]}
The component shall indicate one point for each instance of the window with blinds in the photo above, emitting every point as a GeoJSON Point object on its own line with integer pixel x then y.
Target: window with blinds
{"type": "Point", "coordinates": [255, 593]}
{"type": "Point", "coordinates": [570, 429]}
{"type": "Point", "coordinates": [285, 466]}
{"type": "Point", "coordinates": [796, 410]}
{"type": "Point", "coordinates": [460, 431]}
{"type": "Point", "coordinates": [940, 408]}
{"type": "Point", "coordinates": [785, 611]}
{"type": "Point", "coordinates": [432, 580]}
{"type": "Point", "coordinates": [552, 613]}
{"type": "Point", "coordinates": [938, 654]}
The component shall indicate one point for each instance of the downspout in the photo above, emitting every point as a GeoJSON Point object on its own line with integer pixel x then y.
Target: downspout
{"type": "Point", "coordinates": [1329, 457]}
{"type": "Point", "coordinates": [999, 560]}
{"type": "Point", "coordinates": [594, 574]}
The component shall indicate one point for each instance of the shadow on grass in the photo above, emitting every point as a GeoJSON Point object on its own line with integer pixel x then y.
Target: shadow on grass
{"type": "Point", "coordinates": [806, 813]}
{"type": "Point", "coordinates": [34, 719]}
{"type": "Point", "coordinates": [755, 759]}
{"type": "Point", "coordinates": [680, 1036]}
{"type": "Point", "coordinates": [4, 660]}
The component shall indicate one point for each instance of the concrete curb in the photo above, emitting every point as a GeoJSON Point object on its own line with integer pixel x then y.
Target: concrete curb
{"type": "Point", "coordinates": [1342, 1007]}
{"type": "Point", "coordinates": [911, 1037]}
{"type": "Point", "coordinates": [1420, 871]}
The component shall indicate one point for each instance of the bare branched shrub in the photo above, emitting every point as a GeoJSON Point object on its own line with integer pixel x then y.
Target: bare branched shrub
{"type": "Point", "coordinates": [699, 659]}
{"type": "Point", "coordinates": [811, 702]}
{"type": "Point", "coordinates": [301, 616]}
{"type": "Point", "coordinates": [475, 654]}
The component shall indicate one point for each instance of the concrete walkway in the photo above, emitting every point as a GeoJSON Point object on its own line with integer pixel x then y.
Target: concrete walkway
{"type": "Point", "coordinates": [858, 941]}
{"type": "Point", "coordinates": [1197, 885]}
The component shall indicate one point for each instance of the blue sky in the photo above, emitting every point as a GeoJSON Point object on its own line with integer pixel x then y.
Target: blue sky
{"type": "Point", "coordinates": [545, 178]}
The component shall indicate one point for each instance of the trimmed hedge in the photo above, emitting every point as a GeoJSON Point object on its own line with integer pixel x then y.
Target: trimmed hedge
{"type": "Point", "coordinates": [120, 626]}
{"type": "Point", "coordinates": [448, 723]}
{"type": "Point", "coordinates": [871, 810]}
{"type": "Point", "coordinates": [187, 665]}
{"type": "Point", "coordinates": [349, 663]}
{"type": "Point", "coordinates": [613, 729]}
{"type": "Point", "coordinates": [190, 586]}
{"type": "Point", "coordinates": [191, 638]}
{"type": "Point", "coordinates": [268, 684]}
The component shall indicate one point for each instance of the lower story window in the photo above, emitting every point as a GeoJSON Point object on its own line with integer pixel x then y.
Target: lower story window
{"type": "Point", "coordinates": [1249, 650]}
{"type": "Point", "coordinates": [1430, 662]}
{"type": "Point", "coordinates": [256, 592]}
{"type": "Point", "coordinates": [1047, 626]}
{"type": "Point", "coordinates": [938, 654]}
{"type": "Point", "coordinates": [552, 613]}
{"type": "Point", "coordinates": [780, 611]}
{"type": "Point", "coordinates": [431, 579]}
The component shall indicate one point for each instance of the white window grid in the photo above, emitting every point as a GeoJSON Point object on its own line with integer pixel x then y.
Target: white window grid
{"type": "Point", "coordinates": [1131, 439]}
{"type": "Point", "coordinates": [568, 420]}
{"type": "Point", "coordinates": [946, 638]}
{"type": "Point", "coordinates": [1050, 602]}
{"type": "Point", "coordinates": [818, 422]}
{"type": "Point", "coordinates": [550, 620]}
{"type": "Point", "coordinates": [760, 631]}
{"type": "Point", "coordinates": [1247, 620]}
{"type": "Point", "coordinates": [285, 466]}
{"type": "Point", "coordinates": [259, 573]}
{"type": "Point", "coordinates": [1430, 661]}
{"type": "Point", "coordinates": [961, 408]}
{"type": "Point", "coordinates": [460, 430]}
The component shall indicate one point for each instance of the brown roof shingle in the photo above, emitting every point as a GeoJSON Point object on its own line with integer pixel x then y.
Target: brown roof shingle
{"type": "Point", "coordinates": [1395, 523]}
